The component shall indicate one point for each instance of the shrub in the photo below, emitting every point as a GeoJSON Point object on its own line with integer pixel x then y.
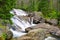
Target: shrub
{"type": "Point", "coordinates": [4, 36]}
{"type": "Point", "coordinates": [5, 7]}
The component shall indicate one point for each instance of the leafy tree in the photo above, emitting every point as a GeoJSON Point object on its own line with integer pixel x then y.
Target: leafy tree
{"type": "Point", "coordinates": [5, 7]}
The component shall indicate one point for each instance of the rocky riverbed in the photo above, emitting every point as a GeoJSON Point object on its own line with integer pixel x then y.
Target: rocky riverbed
{"type": "Point", "coordinates": [45, 29]}
{"type": "Point", "coordinates": [41, 31]}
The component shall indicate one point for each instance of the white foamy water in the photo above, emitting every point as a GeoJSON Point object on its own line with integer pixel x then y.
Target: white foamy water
{"type": "Point", "coordinates": [50, 38]}
{"type": "Point", "coordinates": [17, 34]}
{"type": "Point", "coordinates": [20, 22]}
{"type": "Point", "coordinates": [18, 12]}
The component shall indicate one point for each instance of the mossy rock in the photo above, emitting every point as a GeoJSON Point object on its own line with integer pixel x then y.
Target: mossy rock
{"type": "Point", "coordinates": [35, 34]}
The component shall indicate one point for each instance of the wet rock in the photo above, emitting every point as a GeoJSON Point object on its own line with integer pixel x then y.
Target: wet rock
{"type": "Point", "coordinates": [28, 29]}
{"type": "Point", "coordinates": [36, 34]}
{"type": "Point", "coordinates": [36, 21]}
{"type": "Point", "coordinates": [31, 15]}
{"type": "Point", "coordinates": [50, 28]}
{"type": "Point", "coordinates": [50, 38]}
{"type": "Point", "coordinates": [52, 21]}
{"type": "Point", "coordinates": [38, 18]}
{"type": "Point", "coordinates": [42, 20]}
{"type": "Point", "coordinates": [58, 33]}
{"type": "Point", "coordinates": [9, 35]}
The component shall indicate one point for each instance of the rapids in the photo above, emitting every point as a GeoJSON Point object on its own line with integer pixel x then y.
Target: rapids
{"type": "Point", "coordinates": [23, 24]}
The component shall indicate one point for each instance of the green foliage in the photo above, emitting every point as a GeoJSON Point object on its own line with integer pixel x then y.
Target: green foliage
{"type": "Point", "coordinates": [43, 6]}
{"type": "Point", "coordinates": [47, 9]}
{"type": "Point", "coordinates": [53, 14]}
{"type": "Point", "coordinates": [59, 15]}
{"type": "Point", "coordinates": [4, 36]}
{"type": "Point", "coordinates": [5, 7]}
{"type": "Point", "coordinates": [7, 22]}
{"type": "Point", "coordinates": [36, 5]}
{"type": "Point", "coordinates": [31, 6]}
{"type": "Point", "coordinates": [22, 4]}
{"type": "Point", "coordinates": [58, 18]}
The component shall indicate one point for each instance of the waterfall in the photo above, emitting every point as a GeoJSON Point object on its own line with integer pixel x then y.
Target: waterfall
{"type": "Point", "coordinates": [31, 20]}
{"type": "Point", "coordinates": [23, 24]}
{"type": "Point", "coordinates": [20, 23]}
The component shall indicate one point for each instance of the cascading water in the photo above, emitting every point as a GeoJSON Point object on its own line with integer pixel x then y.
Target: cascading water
{"type": "Point", "coordinates": [20, 22]}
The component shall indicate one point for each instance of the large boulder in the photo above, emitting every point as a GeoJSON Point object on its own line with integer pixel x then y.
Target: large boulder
{"type": "Point", "coordinates": [52, 21]}
{"type": "Point", "coordinates": [36, 34]}
{"type": "Point", "coordinates": [38, 18]}
{"type": "Point", "coordinates": [54, 30]}
{"type": "Point", "coordinates": [9, 35]}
